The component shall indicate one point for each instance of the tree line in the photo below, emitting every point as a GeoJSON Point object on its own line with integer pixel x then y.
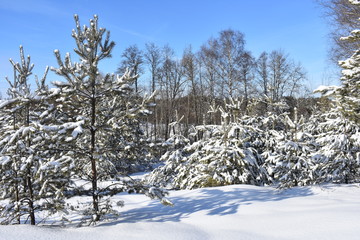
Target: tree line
{"type": "Point", "coordinates": [190, 86]}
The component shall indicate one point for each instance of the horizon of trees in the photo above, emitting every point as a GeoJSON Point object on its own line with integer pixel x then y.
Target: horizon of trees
{"type": "Point", "coordinates": [189, 86]}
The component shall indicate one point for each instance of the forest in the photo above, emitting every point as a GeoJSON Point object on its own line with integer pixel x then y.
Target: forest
{"type": "Point", "coordinates": [215, 117]}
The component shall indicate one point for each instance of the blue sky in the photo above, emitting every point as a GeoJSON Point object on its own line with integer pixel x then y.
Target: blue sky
{"type": "Point", "coordinates": [295, 26]}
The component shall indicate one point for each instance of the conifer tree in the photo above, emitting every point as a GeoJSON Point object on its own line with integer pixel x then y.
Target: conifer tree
{"type": "Point", "coordinates": [103, 103]}
{"type": "Point", "coordinates": [339, 143]}
{"type": "Point", "coordinates": [347, 95]}
{"type": "Point", "coordinates": [32, 169]}
{"type": "Point", "coordinates": [338, 148]}
{"type": "Point", "coordinates": [228, 155]}
{"type": "Point", "coordinates": [288, 157]}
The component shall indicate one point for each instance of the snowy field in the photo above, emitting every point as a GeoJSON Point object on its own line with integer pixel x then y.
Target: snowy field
{"type": "Point", "coordinates": [230, 212]}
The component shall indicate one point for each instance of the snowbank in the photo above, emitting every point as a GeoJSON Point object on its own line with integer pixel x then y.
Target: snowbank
{"type": "Point", "coordinates": [230, 212]}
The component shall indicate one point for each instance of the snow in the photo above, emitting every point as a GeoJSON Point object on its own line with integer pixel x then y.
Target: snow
{"type": "Point", "coordinates": [77, 131]}
{"type": "Point", "coordinates": [355, 2]}
{"type": "Point", "coordinates": [4, 103]}
{"type": "Point", "coordinates": [231, 212]}
{"type": "Point", "coordinates": [325, 89]}
{"type": "Point", "coordinates": [4, 160]}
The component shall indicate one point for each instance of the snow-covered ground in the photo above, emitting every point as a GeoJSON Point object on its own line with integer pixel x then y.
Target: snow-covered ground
{"type": "Point", "coordinates": [231, 212]}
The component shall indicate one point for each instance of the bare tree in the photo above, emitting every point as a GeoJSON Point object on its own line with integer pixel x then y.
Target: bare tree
{"type": "Point", "coordinates": [133, 60]}
{"type": "Point", "coordinates": [279, 68]}
{"type": "Point", "coordinates": [191, 70]}
{"type": "Point", "coordinates": [153, 58]}
{"type": "Point", "coordinates": [225, 53]}
{"type": "Point", "coordinates": [296, 79]}
{"type": "Point", "coordinates": [209, 72]}
{"type": "Point", "coordinates": [262, 70]}
{"type": "Point", "coordinates": [279, 76]}
{"type": "Point", "coordinates": [171, 87]}
{"type": "Point", "coordinates": [247, 65]}
{"type": "Point", "coordinates": [343, 18]}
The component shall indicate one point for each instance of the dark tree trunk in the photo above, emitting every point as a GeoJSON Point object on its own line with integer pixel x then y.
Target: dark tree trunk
{"type": "Point", "coordinates": [95, 194]}
{"type": "Point", "coordinates": [31, 200]}
{"type": "Point", "coordinates": [28, 178]}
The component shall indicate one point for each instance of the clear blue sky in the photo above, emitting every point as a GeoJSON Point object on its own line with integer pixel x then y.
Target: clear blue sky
{"type": "Point", "coordinates": [41, 26]}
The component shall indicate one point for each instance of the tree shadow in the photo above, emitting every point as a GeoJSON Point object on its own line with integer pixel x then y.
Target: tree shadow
{"type": "Point", "coordinates": [213, 201]}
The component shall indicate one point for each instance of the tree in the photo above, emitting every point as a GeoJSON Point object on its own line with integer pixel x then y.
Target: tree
{"type": "Point", "coordinates": [343, 17]}
{"type": "Point", "coordinates": [34, 173]}
{"type": "Point", "coordinates": [171, 87]}
{"type": "Point", "coordinates": [279, 76]}
{"type": "Point", "coordinates": [21, 187]}
{"type": "Point", "coordinates": [247, 64]}
{"type": "Point", "coordinates": [340, 146]}
{"type": "Point", "coordinates": [194, 95]}
{"type": "Point", "coordinates": [337, 154]}
{"type": "Point", "coordinates": [226, 52]}
{"type": "Point", "coordinates": [347, 95]}
{"type": "Point", "coordinates": [153, 58]}
{"type": "Point", "coordinates": [262, 69]}
{"type": "Point", "coordinates": [288, 153]}
{"type": "Point", "coordinates": [227, 156]}
{"type": "Point", "coordinates": [208, 71]}
{"type": "Point", "coordinates": [133, 60]}
{"type": "Point", "coordinates": [103, 103]}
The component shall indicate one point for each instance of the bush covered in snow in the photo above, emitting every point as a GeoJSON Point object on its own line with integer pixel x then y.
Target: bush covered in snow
{"type": "Point", "coordinates": [270, 149]}
{"type": "Point", "coordinates": [225, 158]}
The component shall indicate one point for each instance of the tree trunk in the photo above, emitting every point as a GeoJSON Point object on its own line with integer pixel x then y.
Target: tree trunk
{"type": "Point", "coordinates": [155, 122]}
{"type": "Point", "coordinates": [17, 194]}
{"type": "Point", "coordinates": [17, 199]}
{"type": "Point", "coordinates": [155, 109]}
{"type": "Point", "coordinates": [31, 200]}
{"type": "Point", "coordinates": [95, 194]}
{"type": "Point", "coordinates": [28, 177]}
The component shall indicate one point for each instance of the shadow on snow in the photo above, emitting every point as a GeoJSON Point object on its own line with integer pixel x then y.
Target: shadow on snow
{"type": "Point", "coordinates": [212, 201]}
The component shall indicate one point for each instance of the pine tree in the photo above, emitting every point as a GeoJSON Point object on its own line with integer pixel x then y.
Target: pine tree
{"type": "Point", "coordinates": [338, 147]}
{"type": "Point", "coordinates": [103, 103]}
{"type": "Point", "coordinates": [347, 95]}
{"type": "Point", "coordinates": [339, 142]}
{"type": "Point", "coordinates": [287, 153]}
{"type": "Point", "coordinates": [227, 156]}
{"type": "Point", "coordinates": [34, 175]}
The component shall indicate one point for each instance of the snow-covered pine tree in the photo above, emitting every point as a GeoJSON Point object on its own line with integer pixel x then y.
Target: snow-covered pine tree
{"type": "Point", "coordinates": [340, 145]}
{"type": "Point", "coordinates": [33, 175]}
{"type": "Point", "coordinates": [227, 156]}
{"type": "Point", "coordinates": [287, 152]}
{"type": "Point", "coordinates": [338, 148]}
{"type": "Point", "coordinates": [346, 97]}
{"type": "Point", "coordinates": [136, 154]}
{"type": "Point", "coordinates": [103, 103]}
{"type": "Point", "coordinates": [175, 149]}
